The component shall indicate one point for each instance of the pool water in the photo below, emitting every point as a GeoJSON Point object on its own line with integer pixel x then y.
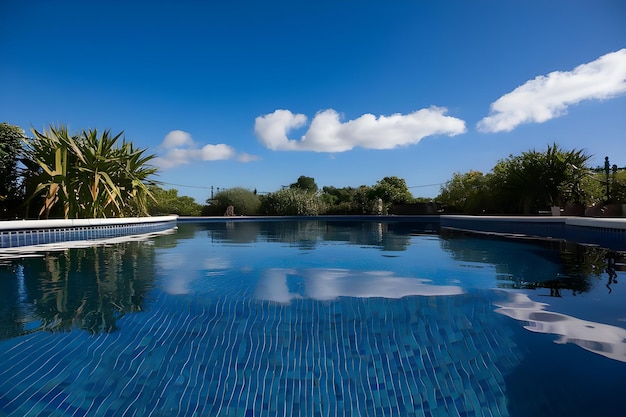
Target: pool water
{"type": "Point", "coordinates": [314, 318]}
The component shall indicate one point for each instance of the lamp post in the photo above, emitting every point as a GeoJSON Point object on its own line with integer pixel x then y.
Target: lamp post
{"type": "Point", "coordinates": [607, 169]}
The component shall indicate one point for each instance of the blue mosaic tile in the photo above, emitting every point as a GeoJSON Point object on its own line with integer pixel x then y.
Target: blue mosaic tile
{"type": "Point", "coordinates": [202, 354]}
{"type": "Point", "coordinates": [31, 237]}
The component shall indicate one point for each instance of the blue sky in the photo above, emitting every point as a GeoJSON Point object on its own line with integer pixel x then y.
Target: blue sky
{"type": "Point", "coordinates": [256, 94]}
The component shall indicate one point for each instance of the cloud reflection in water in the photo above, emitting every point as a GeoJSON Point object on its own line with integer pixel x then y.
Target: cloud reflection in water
{"type": "Point", "coordinates": [603, 339]}
{"type": "Point", "coordinates": [284, 285]}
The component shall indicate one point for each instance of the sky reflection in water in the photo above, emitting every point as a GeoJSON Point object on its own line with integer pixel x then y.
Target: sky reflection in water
{"type": "Point", "coordinates": [407, 260]}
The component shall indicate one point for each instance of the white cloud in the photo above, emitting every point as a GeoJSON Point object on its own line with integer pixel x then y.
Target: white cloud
{"type": "Point", "coordinates": [272, 128]}
{"type": "Point", "coordinates": [547, 97]}
{"type": "Point", "coordinates": [214, 152]}
{"type": "Point", "coordinates": [177, 138]}
{"type": "Point", "coordinates": [181, 150]}
{"type": "Point", "coordinates": [328, 133]}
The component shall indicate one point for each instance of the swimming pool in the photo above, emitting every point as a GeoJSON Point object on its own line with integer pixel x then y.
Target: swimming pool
{"type": "Point", "coordinates": [264, 318]}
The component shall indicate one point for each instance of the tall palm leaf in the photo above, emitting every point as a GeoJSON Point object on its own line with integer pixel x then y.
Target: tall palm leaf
{"type": "Point", "coordinates": [50, 150]}
{"type": "Point", "coordinates": [137, 171]}
{"type": "Point", "coordinates": [99, 193]}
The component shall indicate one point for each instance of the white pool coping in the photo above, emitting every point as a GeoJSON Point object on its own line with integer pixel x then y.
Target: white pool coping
{"type": "Point", "coordinates": [602, 222]}
{"type": "Point", "coordinates": [6, 225]}
{"type": "Point", "coordinates": [21, 233]}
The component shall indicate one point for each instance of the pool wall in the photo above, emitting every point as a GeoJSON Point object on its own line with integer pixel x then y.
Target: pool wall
{"type": "Point", "coordinates": [17, 233]}
{"type": "Point", "coordinates": [608, 232]}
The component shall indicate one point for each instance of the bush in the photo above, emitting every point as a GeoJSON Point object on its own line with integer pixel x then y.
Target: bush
{"type": "Point", "coordinates": [169, 202]}
{"type": "Point", "coordinates": [291, 202]}
{"type": "Point", "coordinates": [244, 201]}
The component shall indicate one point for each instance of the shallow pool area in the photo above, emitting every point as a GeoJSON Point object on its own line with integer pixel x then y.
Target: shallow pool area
{"type": "Point", "coordinates": [314, 318]}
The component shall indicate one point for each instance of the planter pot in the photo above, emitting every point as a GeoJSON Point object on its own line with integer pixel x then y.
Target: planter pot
{"type": "Point", "coordinates": [556, 210]}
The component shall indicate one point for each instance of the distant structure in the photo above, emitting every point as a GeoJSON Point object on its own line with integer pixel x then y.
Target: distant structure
{"type": "Point", "coordinates": [415, 208]}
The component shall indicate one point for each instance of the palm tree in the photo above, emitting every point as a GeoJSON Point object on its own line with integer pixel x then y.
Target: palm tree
{"type": "Point", "coordinates": [90, 175]}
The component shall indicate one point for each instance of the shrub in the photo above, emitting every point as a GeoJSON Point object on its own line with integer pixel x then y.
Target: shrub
{"type": "Point", "coordinates": [244, 201]}
{"type": "Point", "coordinates": [292, 202]}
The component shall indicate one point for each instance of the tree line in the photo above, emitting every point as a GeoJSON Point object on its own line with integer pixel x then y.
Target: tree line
{"type": "Point", "coordinates": [92, 174]}
{"type": "Point", "coordinates": [305, 198]}
{"type": "Point", "coordinates": [529, 183]}
{"type": "Point", "coordinates": [533, 182]}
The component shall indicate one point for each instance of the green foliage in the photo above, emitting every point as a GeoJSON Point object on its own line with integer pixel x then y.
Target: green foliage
{"type": "Point", "coordinates": [305, 184]}
{"type": "Point", "coordinates": [525, 183]}
{"type": "Point", "coordinates": [11, 138]}
{"type": "Point", "coordinates": [347, 200]}
{"type": "Point", "coordinates": [594, 188]}
{"type": "Point", "coordinates": [423, 200]}
{"type": "Point", "coordinates": [466, 193]}
{"type": "Point", "coordinates": [537, 180]}
{"type": "Point", "coordinates": [618, 187]}
{"type": "Point", "coordinates": [365, 199]}
{"type": "Point", "coordinates": [90, 175]}
{"type": "Point", "coordinates": [244, 201]}
{"type": "Point", "coordinates": [292, 202]}
{"type": "Point", "coordinates": [391, 190]}
{"type": "Point", "coordinates": [169, 202]}
{"type": "Point", "coordinates": [335, 195]}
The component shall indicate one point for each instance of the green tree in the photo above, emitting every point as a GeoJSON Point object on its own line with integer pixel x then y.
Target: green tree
{"type": "Point", "coordinates": [340, 200]}
{"type": "Point", "coordinates": [11, 138]}
{"type": "Point", "coordinates": [305, 184]}
{"type": "Point", "coordinates": [89, 175]}
{"type": "Point", "coordinates": [364, 202]}
{"type": "Point", "coordinates": [391, 190]}
{"type": "Point", "coordinates": [594, 188]}
{"type": "Point", "coordinates": [466, 193]}
{"type": "Point", "coordinates": [169, 202]}
{"type": "Point", "coordinates": [244, 201]}
{"type": "Point", "coordinates": [618, 186]}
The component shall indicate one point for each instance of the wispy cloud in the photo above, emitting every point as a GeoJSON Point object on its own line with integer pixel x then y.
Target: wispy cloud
{"type": "Point", "coordinates": [328, 133]}
{"type": "Point", "coordinates": [180, 149]}
{"type": "Point", "coordinates": [246, 157]}
{"type": "Point", "coordinates": [547, 97]}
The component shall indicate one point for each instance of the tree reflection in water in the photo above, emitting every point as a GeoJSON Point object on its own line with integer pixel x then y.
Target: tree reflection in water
{"type": "Point", "coordinates": [555, 265]}
{"type": "Point", "coordinates": [611, 262]}
{"type": "Point", "coordinates": [583, 267]}
{"type": "Point", "coordinates": [307, 235]}
{"type": "Point", "coordinates": [86, 288]}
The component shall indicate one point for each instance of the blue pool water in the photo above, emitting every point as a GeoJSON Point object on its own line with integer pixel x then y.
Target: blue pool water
{"type": "Point", "coordinates": [314, 318]}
